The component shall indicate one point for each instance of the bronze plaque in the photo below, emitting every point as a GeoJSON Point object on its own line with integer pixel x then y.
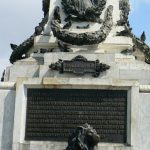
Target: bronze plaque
{"type": "Point", "coordinates": [79, 66]}
{"type": "Point", "coordinates": [52, 114]}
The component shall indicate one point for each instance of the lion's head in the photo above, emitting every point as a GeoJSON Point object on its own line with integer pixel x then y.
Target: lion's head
{"type": "Point", "coordinates": [83, 138]}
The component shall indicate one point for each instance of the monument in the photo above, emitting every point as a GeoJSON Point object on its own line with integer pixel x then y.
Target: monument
{"type": "Point", "coordinates": [83, 64]}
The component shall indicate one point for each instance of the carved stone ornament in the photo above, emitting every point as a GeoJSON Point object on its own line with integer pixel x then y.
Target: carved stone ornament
{"type": "Point", "coordinates": [87, 38]}
{"type": "Point", "coordinates": [84, 10]}
{"type": "Point", "coordinates": [79, 66]}
{"type": "Point", "coordinates": [83, 138]}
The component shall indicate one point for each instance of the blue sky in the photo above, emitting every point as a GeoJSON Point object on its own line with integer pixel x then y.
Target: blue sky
{"type": "Point", "coordinates": [19, 17]}
{"type": "Point", "coordinates": [140, 17]}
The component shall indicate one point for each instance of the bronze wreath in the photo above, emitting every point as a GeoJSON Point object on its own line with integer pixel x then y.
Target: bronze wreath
{"type": "Point", "coordinates": [87, 38]}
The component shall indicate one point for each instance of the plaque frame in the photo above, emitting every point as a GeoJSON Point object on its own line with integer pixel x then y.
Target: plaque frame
{"type": "Point", "coordinates": [20, 114]}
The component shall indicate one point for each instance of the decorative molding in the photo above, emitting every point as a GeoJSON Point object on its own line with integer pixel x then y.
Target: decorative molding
{"type": "Point", "coordinates": [79, 66]}
{"type": "Point", "coordinates": [87, 38]}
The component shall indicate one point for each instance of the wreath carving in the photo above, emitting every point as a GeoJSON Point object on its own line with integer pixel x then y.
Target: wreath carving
{"type": "Point", "coordinates": [87, 38]}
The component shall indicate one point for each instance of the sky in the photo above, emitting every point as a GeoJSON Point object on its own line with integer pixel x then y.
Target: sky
{"type": "Point", "coordinates": [19, 17]}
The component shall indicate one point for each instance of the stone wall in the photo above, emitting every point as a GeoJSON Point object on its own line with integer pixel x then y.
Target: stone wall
{"type": "Point", "coordinates": [122, 67]}
{"type": "Point", "coordinates": [144, 121]}
{"type": "Point", "coordinates": [138, 135]}
{"type": "Point", "coordinates": [7, 107]}
{"type": "Point", "coordinates": [125, 73]}
{"type": "Point", "coordinates": [19, 142]}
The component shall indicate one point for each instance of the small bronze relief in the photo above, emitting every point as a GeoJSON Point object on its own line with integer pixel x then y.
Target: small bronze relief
{"type": "Point", "coordinates": [84, 10]}
{"type": "Point", "coordinates": [79, 66]}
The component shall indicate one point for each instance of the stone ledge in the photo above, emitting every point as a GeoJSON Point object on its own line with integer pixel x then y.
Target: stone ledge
{"type": "Point", "coordinates": [89, 82]}
{"type": "Point", "coordinates": [7, 85]}
{"type": "Point", "coordinates": [45, 41]}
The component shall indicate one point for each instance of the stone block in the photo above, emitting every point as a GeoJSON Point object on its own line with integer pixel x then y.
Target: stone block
{"type": "Point", "coordinates": [38, 57]}
{"type": "Point", "coordinates": [111, 44]}
{"type": "Point", "coordinates": [24, 147]}
{"type": "Point", "coordinates": [45, 41]}
{"type": "Point", "coordinates": [23, 71]}
{"type": "Point", "coordinates": [48, 145]}
{"type": "Point", "coordinates": [134, 74]}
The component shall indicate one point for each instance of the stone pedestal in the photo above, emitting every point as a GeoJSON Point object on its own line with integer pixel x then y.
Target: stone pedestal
{"type": "Point", "coordinates": [51, 65]}
{"type": "Point", "coordinates": [124, 74]}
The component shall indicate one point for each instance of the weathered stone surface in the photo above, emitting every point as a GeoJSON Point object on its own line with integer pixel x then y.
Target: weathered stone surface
{"type": "Point", "coordinates": [144, 121]}
{"type": "Point", "coordinates": [23, 71]}
{"type": "Point", "coordinates": [7, 103]}
{"type": "Point", "coordinates": [135, 74]}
